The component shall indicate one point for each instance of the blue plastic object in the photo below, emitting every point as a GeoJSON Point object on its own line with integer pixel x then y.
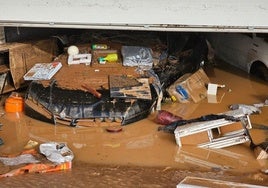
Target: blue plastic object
{"type": "Point", "coordinates": [182, 92]}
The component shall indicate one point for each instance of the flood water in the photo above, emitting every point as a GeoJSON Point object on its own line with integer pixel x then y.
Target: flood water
{"type": "Point", "coordinates": [140, 155]}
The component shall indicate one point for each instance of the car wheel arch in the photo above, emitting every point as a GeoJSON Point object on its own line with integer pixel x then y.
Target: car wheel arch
{"type": "Point", "coordinates": [259, 69]}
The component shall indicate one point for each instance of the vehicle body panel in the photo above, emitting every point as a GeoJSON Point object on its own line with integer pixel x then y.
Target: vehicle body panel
{"type": "Point", "coordinates": [240, 49]}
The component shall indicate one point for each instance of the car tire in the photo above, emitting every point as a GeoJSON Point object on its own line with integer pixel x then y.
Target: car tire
{"type": "Point", "coordinates": [262, 72]}
{"type": "Point", "coordinates": [259, 70]}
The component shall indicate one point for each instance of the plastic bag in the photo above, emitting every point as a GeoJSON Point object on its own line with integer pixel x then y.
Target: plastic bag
{"type": "Point", "coordinates": [21, 159]}
{"type": "Point", "coordinates": [56, 152]}
{"type": "Point", "coordinates": [137, 56]}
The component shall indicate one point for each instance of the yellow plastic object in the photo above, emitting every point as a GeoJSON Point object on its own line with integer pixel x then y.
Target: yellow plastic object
{"type": "Point", "coordinates": [14, 103]}
{"type": "Point", "coordinates": [173, 98]}
{"type": "Point", "coordinates": [108, 58]}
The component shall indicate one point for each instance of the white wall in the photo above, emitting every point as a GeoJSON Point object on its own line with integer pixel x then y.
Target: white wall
{"type": "Point", "coordinates": [171, 15]}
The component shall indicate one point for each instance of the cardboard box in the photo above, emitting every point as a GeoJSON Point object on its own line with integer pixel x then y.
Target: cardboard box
{"type": "Point", "coordinates": [190, 87]}
{"type": "Point", "coordinates": [20, 57]}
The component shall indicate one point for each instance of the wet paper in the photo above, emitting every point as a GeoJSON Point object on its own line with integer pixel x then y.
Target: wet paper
{"type": "Point", "coordinates": [21, 159]}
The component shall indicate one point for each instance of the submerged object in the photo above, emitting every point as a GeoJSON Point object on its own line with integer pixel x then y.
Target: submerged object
{"type": "Point", "coordinates": [114, 129]}
{"type": "Point", "coordinates": [76, 107]}
{"type": "Point", "coordinates": [165, 117]}
{"type": "Point", "coordinates": [1, 141]}
{"type": "Point", "coordinates": [172, 126]}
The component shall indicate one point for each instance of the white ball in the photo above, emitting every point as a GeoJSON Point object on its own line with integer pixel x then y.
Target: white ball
{"type": "Point", "coordinates": [73, 50]}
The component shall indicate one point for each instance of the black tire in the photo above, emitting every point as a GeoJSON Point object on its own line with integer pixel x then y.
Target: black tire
{"type": "Point", "coordinates": [262, 72]}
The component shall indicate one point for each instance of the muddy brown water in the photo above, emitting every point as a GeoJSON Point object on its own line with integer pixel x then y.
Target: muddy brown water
{"type": "Point", "coordinates": [141, 156]}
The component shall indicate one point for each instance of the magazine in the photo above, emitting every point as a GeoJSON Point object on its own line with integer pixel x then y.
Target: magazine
{"type": "Point", "coordinates": [43, 71]}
